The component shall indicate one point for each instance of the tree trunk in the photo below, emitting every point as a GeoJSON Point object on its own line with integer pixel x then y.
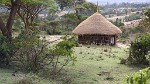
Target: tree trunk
{"type": "Point", "coordinates": [27, 27]}
{"type": "Point", "coordinates": [7, 29]}
{"type": "Point", "coordinates": [77, 14]}
{"type": "Point", "coordinates": [10, 21]}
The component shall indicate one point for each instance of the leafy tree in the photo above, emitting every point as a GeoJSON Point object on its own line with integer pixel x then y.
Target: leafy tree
{"type": "Point", "coordinates": [29, 10]}
{"type": "Point", "coordinates": [70, 21]}
{"type": "Point", "coordinates": [78, 8]}
{"type": "Point", "coordinates": [54, 27]}
{"type": "Point", "coordinates": [64, 3]}
{"type": "Point", "coordinates": [69, 3]}
{"type": "Point", "coordinates": [26, 9]}
{"type": "Point", "coordinates": [89, 8]}
{"type": "Point", "coordinates": [6, 48]}
{"type": "Point", "coordinates": [74, 4]}
{"type": "Point", "coordinates": [82, 10]}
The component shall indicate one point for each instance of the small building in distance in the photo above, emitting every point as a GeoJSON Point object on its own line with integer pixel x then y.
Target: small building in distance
{"type": "Point", "coordinates": [96, 29]}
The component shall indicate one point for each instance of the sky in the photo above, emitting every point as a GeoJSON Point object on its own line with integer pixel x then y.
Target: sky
{"type": "Point", "coordinates": [118, 1]}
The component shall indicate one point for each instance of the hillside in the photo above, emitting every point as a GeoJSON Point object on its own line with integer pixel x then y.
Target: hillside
{"type": "Point", "coordinates": [118, 1]}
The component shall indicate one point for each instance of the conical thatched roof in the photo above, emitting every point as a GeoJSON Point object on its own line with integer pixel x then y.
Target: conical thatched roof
{"type": "Point", "coordinates": [96, 24]}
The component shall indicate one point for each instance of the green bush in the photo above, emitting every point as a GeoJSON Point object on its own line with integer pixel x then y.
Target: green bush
{"type": "Point", "coordinates": [62, 54]}
{"type": "Point", "coordinates": [141, 77]}
{"type": "Point", "coordinates": [139, 49]}
{"type": "Point", "coordinates": [30, 53]}
{"type": "Point", "coordinates": [33, 54]}
{"type": "Point", "coordinates": [6, 51]}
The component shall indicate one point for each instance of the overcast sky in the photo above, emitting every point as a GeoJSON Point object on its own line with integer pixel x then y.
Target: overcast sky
{"type": "Point", "coordinates": [117, 1]}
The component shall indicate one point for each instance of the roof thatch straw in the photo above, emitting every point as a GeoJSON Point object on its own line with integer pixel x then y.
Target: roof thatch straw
{"type": "Point", "coordinates": [96, 24]}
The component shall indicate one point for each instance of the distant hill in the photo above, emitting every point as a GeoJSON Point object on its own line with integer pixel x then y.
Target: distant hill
{"type": "Point", "coordinates": [118, 1]}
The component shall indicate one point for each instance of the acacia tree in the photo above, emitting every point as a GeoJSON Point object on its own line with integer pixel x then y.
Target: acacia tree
{"type": "Point", "coordinates": [81, 9]}
{"type": "Point", "coordinates": [26, 9]}
{"type": "Point", "coordinates": [70, 21]}
{"type": "Point", "coordinates": [7, 23]}
{"type": "Point", "coordinates": [64, 3]}
{"type": "Point", "coordinates": [30, 9]}
{"type": "Point", "coordinates": [54, 27]}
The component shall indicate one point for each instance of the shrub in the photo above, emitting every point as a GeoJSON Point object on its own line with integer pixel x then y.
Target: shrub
{"type": "Point", "coordinates": [148, 57]}
{"type": "Point", "coordinates": [62, 54]}
{"type": "Point", "coordinates": [139, 49]}
{"type": "Point", "coordinates": [30, 53]}
{"type": "Point", "coordinates": [5, 51]}
{"type": "Point", "coordinates": [141, 77]}
{"type": "Point", "coordinates": [123, 61]}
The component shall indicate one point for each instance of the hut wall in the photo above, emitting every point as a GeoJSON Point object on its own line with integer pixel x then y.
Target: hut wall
{"type": "Point", "coordinates": [97, 39]}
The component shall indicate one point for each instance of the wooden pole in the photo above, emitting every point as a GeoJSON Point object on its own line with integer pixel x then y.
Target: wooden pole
{"type": "Point", "coordinates": [114, 39]}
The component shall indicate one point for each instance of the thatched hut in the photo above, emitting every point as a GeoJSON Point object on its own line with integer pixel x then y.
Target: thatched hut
{"type": "Point", "coordinates": [96, 29]}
